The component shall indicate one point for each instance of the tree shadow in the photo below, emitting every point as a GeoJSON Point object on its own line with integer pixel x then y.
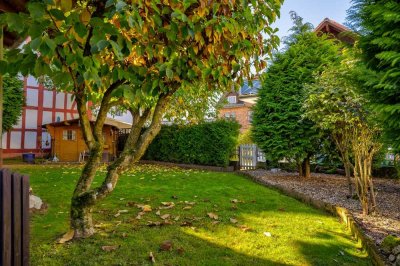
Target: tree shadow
{"type": "Point", "coordinates": [324, 249]}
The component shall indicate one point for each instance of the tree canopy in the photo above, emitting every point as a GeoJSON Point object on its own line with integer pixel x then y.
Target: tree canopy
{"type": "Point", "coordinates": [136, 55]}
{"type": "Point", "coordinates": [13, 101]}
{"type": "Point", "coordinates": [378, 23]}
{"type": "Point", "coordinates": [278, 126]}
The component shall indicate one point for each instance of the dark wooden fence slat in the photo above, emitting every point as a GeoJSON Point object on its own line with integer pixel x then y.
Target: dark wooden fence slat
{"type": "Point", "coordinates": [6, 237]}
{"type": "Point", "coordinates": [16, 220]}
{"type": "Point", "coordinates": [25, 220]}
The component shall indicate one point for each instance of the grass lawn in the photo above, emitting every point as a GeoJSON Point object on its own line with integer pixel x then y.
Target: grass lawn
{"type": "Point", "coordinates": [300, 235]}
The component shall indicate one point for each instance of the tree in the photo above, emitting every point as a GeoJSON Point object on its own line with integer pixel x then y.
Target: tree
{"type": "Point", "coordinates": [13, 101]}
{"type": "Point", "coordinates": [335, 105]}
{"type": "Point", "coordinates": [137, 54]}
{"type": "Point", "coordinates": [378, 23]}
{"type": "Point", "coordinates": [278, 126]}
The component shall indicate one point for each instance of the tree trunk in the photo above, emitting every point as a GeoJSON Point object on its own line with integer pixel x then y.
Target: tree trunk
{"type": "Point", "coordinates": [300, 169]}
{"type": "Point", "coordinates": [84, 197]}
{"type": "Point", "coordinates": [81, 218]}
{"type": "Point", "coordinates": [347, 170]}
{"type": "Point", "coordinates": [305, 168]}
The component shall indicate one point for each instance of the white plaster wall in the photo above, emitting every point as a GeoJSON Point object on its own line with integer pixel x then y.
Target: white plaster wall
{"type": "Point", "coordinates": [31, 119]}
{"type": "Point", "coordinates": [31, 97]}
{"type": "Point", "coordinates": [30, 140]}
{"type": "Point", "coordinates": [47, 117]}
{"type": "Point", "coordinates": [47, 99]}
{"type": "Point", "coordinates": [31, 81]}
{"type": "Point", "coordinates": [15, 140]}
{"type": "Point", "coordinates": [60, 100]}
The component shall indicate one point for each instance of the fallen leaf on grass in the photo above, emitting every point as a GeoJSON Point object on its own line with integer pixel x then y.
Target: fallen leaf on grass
{"type": "Point", "coordinates": [66, 237]}
{"type": "Point", "coordinates": [189, 202]}
{"type": "Point", "coordinates": [146, 208]}
{"type": "Point", "coordinates": [212, 215]}
{"type": "Point", "coordinates": [166, 245]}
{"type": "Point", "coordinates": [165, 216]}
{"type": "Point", "coordinates": [186, 223]}
{"type": "Point", "coordinates": [158, 213]}
{"type": "Point", "coordinates": [152, 258]}
{"type": "Point", "coordinates": [232, 220]}
{"type": "Point", "coordinates": [109, 248]}
{"type": "Point", "coordinates": [151, 223]}
{"type": "Point", "coordinates": [180, 251]}
{"type": "Point", "coordinates": [139, 216]}
{"type": "Point", "coordinates": [244, 228]}
{"type": "Point", "coordinates": [187, 208]}
{"type": "Point", "coordinates": [215, 222]}
{"type": "Point", "coordinates": [177, 218]}
{"type": "Point", "coordinates": [234, 201]}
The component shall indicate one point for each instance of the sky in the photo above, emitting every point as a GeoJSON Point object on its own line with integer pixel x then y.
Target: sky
{"type": "Point", "coordinates": [313, 11]}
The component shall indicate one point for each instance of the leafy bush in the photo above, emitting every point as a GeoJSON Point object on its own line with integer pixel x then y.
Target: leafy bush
{"type": "Point", "coordinates": [210, 143]}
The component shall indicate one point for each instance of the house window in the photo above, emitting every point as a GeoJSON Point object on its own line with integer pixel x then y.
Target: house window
{"type": "Point", "coordinates": [231, 115]}
{"type": "Point", "coordinates": [232, 99]}
{"type": "Point", "coordinates": [250, 116]}
{"type": "Point", "coordinates": [69, 134]}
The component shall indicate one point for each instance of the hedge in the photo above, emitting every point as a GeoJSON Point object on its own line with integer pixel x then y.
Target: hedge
{"type": "Point", "coordinates": [208, 143]}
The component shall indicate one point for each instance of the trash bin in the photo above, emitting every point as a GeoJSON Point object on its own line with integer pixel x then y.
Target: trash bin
{"type": "Point", "coordinates": [28, 157]}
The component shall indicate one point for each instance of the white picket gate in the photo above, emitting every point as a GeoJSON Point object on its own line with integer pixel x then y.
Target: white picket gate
{"type": "Point", "coordinates": [249, 155]}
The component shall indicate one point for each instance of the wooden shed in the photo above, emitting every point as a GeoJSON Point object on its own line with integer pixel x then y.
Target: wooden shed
{"type": "Point", "coordinates": [68, 145]}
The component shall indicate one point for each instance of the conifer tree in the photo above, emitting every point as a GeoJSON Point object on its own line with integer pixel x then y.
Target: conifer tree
{"type": "Point", "coordinates": [278, 126]}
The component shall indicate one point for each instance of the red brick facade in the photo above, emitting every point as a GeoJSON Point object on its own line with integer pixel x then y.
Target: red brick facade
{"type": "Point", "coordinates": [239, 111]}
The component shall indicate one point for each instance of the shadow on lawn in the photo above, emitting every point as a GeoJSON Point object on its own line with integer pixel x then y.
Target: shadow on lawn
{"type": "Point", "coordinates": [314, 253]}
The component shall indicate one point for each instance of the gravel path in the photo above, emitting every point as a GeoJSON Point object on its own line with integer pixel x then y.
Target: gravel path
{"type": "Point", "coordinates": [333, 189]}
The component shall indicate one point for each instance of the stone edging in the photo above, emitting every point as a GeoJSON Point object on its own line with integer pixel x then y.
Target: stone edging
{"type": "Point", "coordinates": [344, 215]}
{"type": "Point", "coordinates": [192, 166]}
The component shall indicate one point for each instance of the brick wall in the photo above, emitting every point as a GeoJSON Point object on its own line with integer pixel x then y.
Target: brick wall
{"type": "Point", "coordinates": [242, 114]}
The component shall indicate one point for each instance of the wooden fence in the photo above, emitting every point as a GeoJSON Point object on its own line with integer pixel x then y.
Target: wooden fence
{"type": "Point", "coordinates": [14, 218]}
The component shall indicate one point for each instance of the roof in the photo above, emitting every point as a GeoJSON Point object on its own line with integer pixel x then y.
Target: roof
{"type": "Point", "coordinates": [12, 6]}
{"type": "Point", "coordinates": [109, 121]}
{"type": "Point", "coordinates": [247, 89]}
{"type": "Point", "coordinates": [329, 26]}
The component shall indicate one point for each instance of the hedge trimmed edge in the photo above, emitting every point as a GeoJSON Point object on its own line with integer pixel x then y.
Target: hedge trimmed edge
{"type": "Point", "coordinates": [208, 143]}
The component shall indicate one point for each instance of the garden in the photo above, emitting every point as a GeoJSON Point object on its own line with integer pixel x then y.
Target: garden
{"type": "Point", "coordinates": [186, 217]}
{"type": "Point", "coordinates": [317, 132]}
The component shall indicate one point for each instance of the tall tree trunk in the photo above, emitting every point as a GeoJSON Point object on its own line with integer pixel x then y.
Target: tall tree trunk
{"type": "Point", "coordinates": [306, 167]}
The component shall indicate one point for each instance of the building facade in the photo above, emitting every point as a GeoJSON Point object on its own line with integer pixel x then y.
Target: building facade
{"type": "Point", "coordinates": [42, 106]}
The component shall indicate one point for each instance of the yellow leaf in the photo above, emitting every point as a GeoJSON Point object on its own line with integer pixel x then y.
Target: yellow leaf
{"type": "Point", "coordinates": [66, 237]}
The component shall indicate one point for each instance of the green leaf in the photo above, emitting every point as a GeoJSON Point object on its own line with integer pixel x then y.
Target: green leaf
{"type": "Point", "coordinates": [3, 67]}
{"type": "Point", "coordinates": [37, 10]}
{"type": "Point", "coordinates": [57, 14]}
{"type": "Point", "coordinates": [80, 29]}
{"type": "Point", "coordinates": [35, 43]}
{"type": "Point", "coordinates": [169, 73]}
